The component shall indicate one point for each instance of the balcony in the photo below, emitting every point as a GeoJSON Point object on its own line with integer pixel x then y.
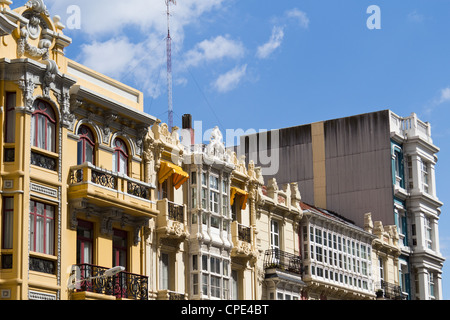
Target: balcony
{"type": "Point", "coordinates": [242, 241]}
{"type": "Point", "coordinates": [106, 188]}
{"type": "Point", "coordinates": [124, 285]}
{"type": "Point", "coordinates": [171, 221]}
{"type": "Point", "coordinates": [389, 291]}
{"type": "Point", "coordinates": [275, 259]}
{"type": "Point", "coordinates": [410, 127]}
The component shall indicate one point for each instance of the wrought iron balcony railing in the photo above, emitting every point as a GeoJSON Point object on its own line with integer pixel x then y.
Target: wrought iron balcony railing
{"type": "Point", "coordinates": [277, 259]}
{"type": "Point", "coordinates": [124, 285]}
{"type": "Point", "coordinates": [43, 161]}
{"type": "Point", "coordinates": [390, 291]}
{"type": "Point", "coordinates": [245, 233]}
{"type": "Point", "coordinates": [108, 179]}
{"type": "Point", "coordinates": [176, 212]}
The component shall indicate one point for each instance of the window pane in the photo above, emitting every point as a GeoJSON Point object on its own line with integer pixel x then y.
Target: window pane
{"type": "Point", "coordinates": [205, 284]}
{"type": "Point", "coordinates": [89, 153]}
{"type": "Point", "coordinates": [41, 132]}
{"type": "Point", "coordinates": [10, 125]}
{"type": "Point", "coordinates": [32, 232]}
{"type": "Point", "coordinates": [39, 234]}
{"type": "Point", "coordinates": [8, 221]}
{"type": "Point", "coordinates": [50, 137]}
{"type": "Point", "coordinates": [50, 240]}
{"type": "Point", "coordinates": [115, 161]}
{"type": "Point", "coordinates": [123, 164]}
{"type": "Point", "coordinates": [164, 277]}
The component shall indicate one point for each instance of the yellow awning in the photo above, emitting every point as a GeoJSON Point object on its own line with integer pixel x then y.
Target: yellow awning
{"type": "Point", "coordinates": [243, 194]}
{"type": "Point", "coordinates": [168, 170]}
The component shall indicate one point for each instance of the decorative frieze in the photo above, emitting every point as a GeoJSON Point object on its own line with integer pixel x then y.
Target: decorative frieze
{"type": "Point", "coordinates": [34, 187]}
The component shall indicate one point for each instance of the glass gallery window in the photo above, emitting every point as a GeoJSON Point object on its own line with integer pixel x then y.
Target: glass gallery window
{"type": "Point", "coordinates": [43, 126]}
{"type": "Point", "coordinates": [42, 228]}
{"type": "Point", "coordinates": [120, 157]}
{"type": "Point", "coordinates": [86, 145]}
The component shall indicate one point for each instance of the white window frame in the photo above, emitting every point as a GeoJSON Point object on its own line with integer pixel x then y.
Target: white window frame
{"type": "Point", "coordinates": [428, 229]}
{"type": "Point", "coordinates": [275, 235]}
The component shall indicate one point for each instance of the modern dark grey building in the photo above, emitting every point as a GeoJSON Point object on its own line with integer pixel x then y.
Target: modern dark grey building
{"type": "Point", "coordinates": [376, 163]}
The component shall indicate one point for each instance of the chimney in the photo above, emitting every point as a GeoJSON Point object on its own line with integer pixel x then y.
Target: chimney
{"type": "Point", "coordinates": [187, 133]}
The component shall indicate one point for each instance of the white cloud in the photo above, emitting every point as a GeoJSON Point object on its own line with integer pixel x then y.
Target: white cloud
{"type": "Point", "coordinates": [125, 39]}
{"type": "Point", "coordinates": [415, 17]}
{"type": "Point", "coordinates": [265, 50]}
{"type": "Point", "coordinates": [445, 95]}
{"type": "Point", "coordinates": [113, 56]}
{"type": "Point", "coordinates": [300, 16]}
{"type": "Point", "coordinates": [231, 79]}
{"type": "Point", "coordinates": [214, 49]}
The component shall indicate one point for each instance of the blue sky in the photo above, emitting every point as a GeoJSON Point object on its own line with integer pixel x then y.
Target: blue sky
{"type": "Point", "coordinates": [273, 64]}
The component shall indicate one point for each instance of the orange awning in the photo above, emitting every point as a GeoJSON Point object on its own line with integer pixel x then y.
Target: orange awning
{"type": "Point", "coordinates": [243, 195]}
{"type": "Point", "coordinates": [170, 170]}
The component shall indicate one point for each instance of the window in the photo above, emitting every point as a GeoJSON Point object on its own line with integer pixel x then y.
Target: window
{"type": "Point", "coordinates": [424, 172]}
{"type": "Point", "coordinates": [234, 285]}
{"type": "Point", "coordinates": [428, 233]}
{"type": "Point", "coordinates": [319, 253]}
{"type": "Point", "coordinates": [215, 222]}
{"type": "Point", "coordinates": [410, 173]}
{"type": "Point", "coordinates": [86, 145]}
{"type": "Point", "coordinates": [318, 236]}
{"type": "Point", "coordinates": [42, 228]}
{"type": "Point", "coordinates": [43, 127]}
{"type": "Point", "coordinates": [381, 268]}
{"type": "Point", "coordinates": [431, 285]}
{"type": "Point", "coordinates": [7, 222]}
{"type": "Point", "coordinates": [120, 157]}
{"type": "Point", "coordinates": [215, 286]}
{"type": "Point", "coordinates": [194, 197]}
{"type": "Point", "coordinates": [214, 193]}
{"type": "Point", "coordinates": [164, 272]}
{"type": "Point", "coordinates": [10, 118]}
{"type": "Point", "coordinates": [120, 248]}
{"type": "Point", "coordinates": [85, 232]}
{"type": "Point", "coordinates": [204, 191]}
{"type": "Point", "coordinates": [399, 168]}
{"type": "Point", "coordinates": [205, 284]}
{"type": "Point", "coordinates": [225, 202]}
{"type": "Point", "coordinates": [275, 235]}
{"type": "Point", "coordinates": [195, 283]}
{"type": "Point", "coordinates": [193, 176]}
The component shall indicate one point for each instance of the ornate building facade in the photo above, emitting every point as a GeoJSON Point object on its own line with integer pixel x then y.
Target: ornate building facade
{"type": "Point", "coordinates": [75, 201]}
{"type": "Point", "coordinates": [99, 200]}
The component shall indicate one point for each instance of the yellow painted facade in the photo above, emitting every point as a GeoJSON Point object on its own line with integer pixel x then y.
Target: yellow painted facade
{"type": "Point", "coordinates": [50, 189]}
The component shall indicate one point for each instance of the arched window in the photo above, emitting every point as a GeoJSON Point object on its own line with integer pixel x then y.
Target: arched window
{"type": "Point", "coordinates": [43, 126]}
{"type": "Point", "coordinates": [120, 158]}
{"type": "Point", "coordinates": [86, 145]}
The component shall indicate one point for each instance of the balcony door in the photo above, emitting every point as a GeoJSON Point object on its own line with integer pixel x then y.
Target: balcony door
{"type": "Point", "coordinates": [84, 242]}
{"type": "Point", "coordinates": [120, 246]}
{"type": "Point", "coordinates": [120, 249]}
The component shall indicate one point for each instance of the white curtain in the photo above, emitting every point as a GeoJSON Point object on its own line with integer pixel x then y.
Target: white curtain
{"type": "Point", "coordinates": [43, 136]}
{"type": "Point", "coordinates": [42, 226]}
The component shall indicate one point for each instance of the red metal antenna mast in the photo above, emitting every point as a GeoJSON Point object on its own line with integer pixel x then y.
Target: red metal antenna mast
{"type": "Point", "coordinates": [169, 65]}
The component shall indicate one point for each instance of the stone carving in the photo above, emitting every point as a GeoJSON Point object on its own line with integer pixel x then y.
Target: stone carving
{"type": "Point", "coordinates": [109, 119]}
{"type": "Point", "coordinates": [37, 6]}
{"type": "Point", "coordinates": [27, 86]}
{"type": "Point", "coordinates": [216, 147]}
{"type": "Point", "coordinates": [49, 77]}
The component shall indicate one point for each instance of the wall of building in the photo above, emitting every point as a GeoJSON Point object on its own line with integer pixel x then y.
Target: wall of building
{"type": "Point", "coordinates": [343, 165]}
